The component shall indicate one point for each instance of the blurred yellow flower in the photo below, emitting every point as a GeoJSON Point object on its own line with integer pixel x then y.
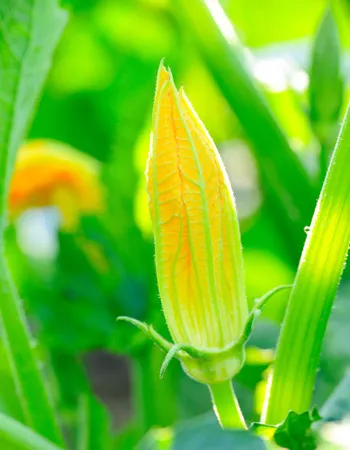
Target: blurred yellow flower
{"type": "Point", "coordinates": [48, 173]}
{"type": "Point", "coordinates": [198, 249]}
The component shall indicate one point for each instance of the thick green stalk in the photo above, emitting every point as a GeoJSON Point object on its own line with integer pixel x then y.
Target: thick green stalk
{"type": "Point", "coordinates": [288, 188]}
{"type": "Point", "coordinates": [321, 265]}
{"type": "Point", "coordinates": [14, 435]}
{"type": "Point", "coordinates": [226, 406]}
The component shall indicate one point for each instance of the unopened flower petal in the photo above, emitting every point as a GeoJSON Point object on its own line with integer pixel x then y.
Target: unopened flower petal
{"type": "Point", "coordinates": [198, 250]}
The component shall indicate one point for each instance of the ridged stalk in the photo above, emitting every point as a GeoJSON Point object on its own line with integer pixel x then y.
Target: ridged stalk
{"type": "Point", "coordinates": [321, 265]}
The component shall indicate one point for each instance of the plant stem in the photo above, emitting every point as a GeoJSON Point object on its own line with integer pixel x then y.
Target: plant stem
{"type": "Point", "coordinates": [321, 265]}
{"type": "Point", "coordinates": [226, 405]}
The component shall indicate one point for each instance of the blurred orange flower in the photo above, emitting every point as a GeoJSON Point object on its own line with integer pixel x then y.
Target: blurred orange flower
{"type": "Point", "coordinates": [49, 173]}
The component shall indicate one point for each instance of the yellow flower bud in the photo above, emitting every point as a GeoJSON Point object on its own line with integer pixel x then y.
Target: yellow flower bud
{"type": "Point", "coordinates": [197, 241]}
{"type": "Point", "coordinates": [48, 173]}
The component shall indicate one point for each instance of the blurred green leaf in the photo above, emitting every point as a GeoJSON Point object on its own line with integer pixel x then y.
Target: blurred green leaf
{"type": "Point", "coordinates": [271, 21]}
{"type": "Point", "coordinates": [149, 391]}
{"type": "Point", "coordinates": [326, 89]}
{"type": "Point", "coordinates": [326, 80]}
{"type": "Point", "coordinates": [289, 191]}
{"type": "Point", "coordinates": [200, 434]}
{"type": "Point", "coordinates": [335, 356]}
{"type": "Point", "coordinates": [15, 436]}
{"type": "Point", "coordinates": [337, 405]}
{"type": "Point", "coordinates": [27, 44]}
{"type": "Point", "coordinates": [9, 403]}
{"type": "Point", "coordinates": [93, 424]}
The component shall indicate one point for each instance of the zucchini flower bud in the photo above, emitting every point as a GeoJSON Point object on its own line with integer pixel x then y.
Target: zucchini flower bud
{"type": "Point", "coordinates": [197, 240]}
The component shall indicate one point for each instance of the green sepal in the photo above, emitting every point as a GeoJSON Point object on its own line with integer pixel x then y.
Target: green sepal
{"type": "Point", "coordinates": [206, 358]}
{"type": "Point", "coordinates": [149, 331]}
{"type": "Point", "coordinates": [172, 350]}
{"type": "Point", "coordinates": [256, 311]}
{"type": "Point", "coordinates": [175, 352]}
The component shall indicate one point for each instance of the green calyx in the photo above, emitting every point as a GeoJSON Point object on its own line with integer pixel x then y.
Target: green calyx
{"type": "Point", "coordinates": [208, 366]}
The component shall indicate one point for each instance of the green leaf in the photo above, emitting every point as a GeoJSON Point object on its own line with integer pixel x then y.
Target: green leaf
{"type": "Point", "coordinates": [338, 404]}
{"type": "Point", "coordinates": [295, 432]}
{"type": "Point", "coordinates": [15, 436]}
{"type": "Point", "coordinates": [200, 434]}
{"type": "Point", "coordinates": [326, 90]}
{"type": "Point", "coordinates": [29, 30]}
{"type": "Point", "coordinates": [290, 194]}
{"type": "Point", "coordinates": [93, 427]}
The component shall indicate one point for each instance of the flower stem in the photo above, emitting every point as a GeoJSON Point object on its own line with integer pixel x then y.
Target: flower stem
{"type": "Point", "coordinates": [321, 265]}
{"type": "Point", "coordinates": [225, 405]}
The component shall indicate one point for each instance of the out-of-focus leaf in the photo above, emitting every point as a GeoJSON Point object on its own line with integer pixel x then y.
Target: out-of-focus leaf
{"type": "Point", "coordinates": [16, 436]}
{"type": "Point", "coordinates": [9, 403]}
{"type": "Point", "coordinates": [296, 433]}
{"type": "Point", "coordinates": [77, 300]}
{"type": "Point", "coordinates": [80, 5]}
{"type": "Point", "coordinates": [337, 405]}
{"type": "Point", "coordinates": [93, 426]}
{"type": "Point", "coordinates": [71, 378]}
{"type": "Point", "coordinates": [326, 90]}
{"type": "Point", "coordinates": [156, 31]}
{"type": "Point", "coordinates": [289, 191]}
{"type": "Point", "coordinates": [29, 31]}
{"type": "Point", "coordinates": [335, 357]}
{"type": "Point", "coordinates": [264, 271]}
{"type": "Point", "coordinates": [282, 21]}
{"type": "Point", "coordinates": [27, 44]}
{"type": "Point", "coordinates": [150, 391]}
{"type": "Point", "coordinates": [200, 434]}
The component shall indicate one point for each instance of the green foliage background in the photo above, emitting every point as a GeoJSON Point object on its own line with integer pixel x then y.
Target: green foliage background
{"type": "Point", "coordinates": [98, 99]}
